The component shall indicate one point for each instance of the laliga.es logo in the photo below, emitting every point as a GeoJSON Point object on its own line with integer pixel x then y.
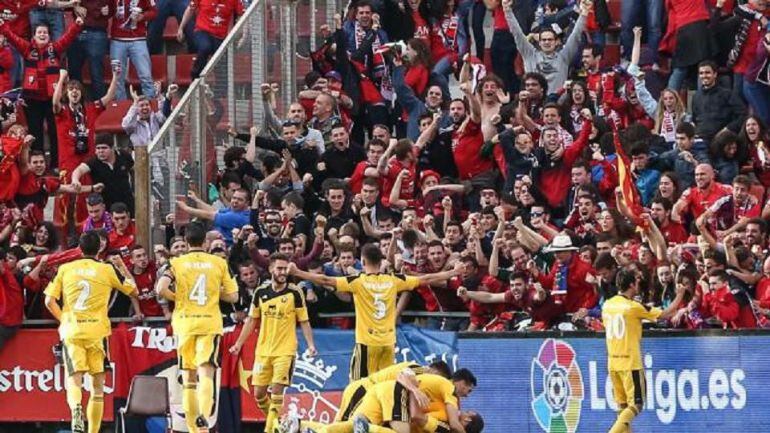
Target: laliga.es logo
{"type": "Point", "coordinates": [310, 376]}
{"type": "Point", "coordinates": [557, 387]}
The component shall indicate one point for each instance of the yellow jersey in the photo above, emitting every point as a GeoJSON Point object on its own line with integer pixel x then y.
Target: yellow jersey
{"type": "Point", "coordinates": [392, 372]}
{"type": "Point", "coordinates": [86, 286]}
{"type": "Point", "coordinates": [439, 390]}
{"type": "Point", "coordinates": [199, 278]}
{"type": "Point", "coordinates": [279, 312]}
{"type": "Point", "coordinates": [374, 297]}
{"type": "Point", "coordinates": [622, 318]}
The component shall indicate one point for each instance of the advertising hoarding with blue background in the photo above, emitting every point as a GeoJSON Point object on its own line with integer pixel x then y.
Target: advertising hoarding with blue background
{"type": "Point", "coordinates": [719, 384]}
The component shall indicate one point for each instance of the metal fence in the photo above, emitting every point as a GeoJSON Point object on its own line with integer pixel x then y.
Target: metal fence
{"type": "Point", "coordinates": [270, 43]}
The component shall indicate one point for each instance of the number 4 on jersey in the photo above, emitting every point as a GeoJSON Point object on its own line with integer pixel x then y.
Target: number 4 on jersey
{"type": "Point", "coordinates": [198, 292]}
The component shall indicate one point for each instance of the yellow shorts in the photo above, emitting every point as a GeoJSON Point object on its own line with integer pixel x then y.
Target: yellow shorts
{"type": "Point", "coordinates": [370, 359]}
{"type": "Point", "coordinates": [351, 398]}
{"type": "Point", "coordinates": [194, 351]}
{"type": "Point", "coordinates": [84, 355]}
{"type": "Point", "coordinates": [273, 369]}
{"type": "Point", "coordinates": [629, 388]}
{"type": "Point", "coordinates": [385, 402]}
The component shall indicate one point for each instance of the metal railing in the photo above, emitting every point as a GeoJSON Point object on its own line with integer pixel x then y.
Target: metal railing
{"type": "Point", "coordinates": [261, 48]}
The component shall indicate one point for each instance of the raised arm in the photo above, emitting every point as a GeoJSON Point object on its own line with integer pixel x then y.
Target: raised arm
{"type": "Point", "coordinates": [522, 43]}
{"type": "Point", "coordinates": [113, 89]}
{"type": "Point", "coordinates": [320, 279]}
{"type": "Point", "coordinates": [58, 91]}
{"type": "Point", "coordinates": [473, 102]}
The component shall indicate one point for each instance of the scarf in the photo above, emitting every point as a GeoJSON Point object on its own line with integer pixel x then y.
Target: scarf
{"type": "Point", "coordinates": [560, 282]}
{"type": "Point", "coordinates": [447, 30]}
{"type": "Point", "coordinates": [80, 131]}
{"type": "Point", "coordinates": [89, 225]}
{"type": "Point", "coordinates": [668, 126]}
{"type": "Point", "coordinates": [378, 67]}
{"type": "Point", "coordinates": [747, 17]}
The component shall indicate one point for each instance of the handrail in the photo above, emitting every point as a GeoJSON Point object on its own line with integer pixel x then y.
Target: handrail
{"type": "Point", "coordinates": [220, 52]}
{"type": "Point", "coordinates": [162, 132]}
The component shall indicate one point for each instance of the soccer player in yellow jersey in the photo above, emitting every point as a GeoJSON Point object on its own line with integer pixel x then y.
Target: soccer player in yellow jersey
{"type": "Point", "coordinates": [387, 406]}
{"type": "Point", "coordinates": [279, 307]}
{"type": "Point", "coordinates": [374, 297]}
{"type": "Point", "coordinates": [622, 317]}
{"type": "Point", "coordinates": [84, 286]}
{"type": "Point", "coordinates": [201, 281]}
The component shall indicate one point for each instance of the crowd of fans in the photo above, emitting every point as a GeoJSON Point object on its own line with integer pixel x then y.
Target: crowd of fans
{"type": "Point", "coordinates": [541, 168]}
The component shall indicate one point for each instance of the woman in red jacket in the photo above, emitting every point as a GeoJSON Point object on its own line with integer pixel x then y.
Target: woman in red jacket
{"type": "Point", "coordinates": [42, 61]}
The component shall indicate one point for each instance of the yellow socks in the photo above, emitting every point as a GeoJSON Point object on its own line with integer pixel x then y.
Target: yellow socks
{"type": "Point", "coordinates": [276, 404]}
{"type": "Point", "coordinates": [190, 406]}
{"type": "Point", "coordinates": [94, 413]}
{"type": "Point", "coordinates": [623, 423]}
{"type": "Point", "coordinates": [264, 404]}
{"type": "Point", "coordinates": [205, 395]}
{"type": "Point", "coordinates": [74, 397]}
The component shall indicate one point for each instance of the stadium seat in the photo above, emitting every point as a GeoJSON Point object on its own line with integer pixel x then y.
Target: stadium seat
{"type": "Point", "coordinates": [159, 67]}
{"type": "Point", "coordinates": [169, 32]}
{"type": "Point", "coordinates": [184, 63]}
{"type": "Point", "coordinates": [242, 72]}
{"type": "Point", "coordinates": [111, 119]}
{"type": "Point", "coordinates": [147, 396]}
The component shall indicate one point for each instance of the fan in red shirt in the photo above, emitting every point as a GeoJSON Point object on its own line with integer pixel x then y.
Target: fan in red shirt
{"type": "Point", "coordinates": [75, 132]}
{"type": "Point", "coordinates": [11, 301]}
{"type": "Point", "coordinates": [696, 199]}
{"type": "Point", "coordinates": [399, 172]}
{"type": "Point", "coordinates": [367, 168]}
{"type": "Point", "coordinates": [42, 60]}
{"type": "Point", "coordinates": [16, 14]}
{"type": "Point", "coordinates": [719, 302]}
{"type": "Point", "coordinates": [145, 273]}
{"type": "Point", "coordinates": [14, 150]}
{"type": "Point", "coordinates": [6, 66]}
{"type": "Point", "coordinates": [571, 280]}
{"type": "Point", "coordinates": [468, 139]}
{"type": "Point", "coordinates": [673, 233]}
{"type": "Point", "coordinates": [212, 24]}
{"type": "Point", "coordinates": [121, 238]}
{"type": "Point", "coordinates": [519, 297]}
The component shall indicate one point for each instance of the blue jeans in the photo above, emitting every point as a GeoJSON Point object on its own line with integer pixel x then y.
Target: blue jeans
{"type": "Point", "coordinates": [91, 45]}
{"type": "Point", "coordinates": [137, 52]}
{"type": "Point", "coordinates": [166, 9]}
{"type": "Point", "coordinates": [758, 97]}
{"type": "Point", "coordinates": [52, 18]}
{"type": "Point", "coordinates": [207, 46]}
{"type": "Point", "coordinates": [630, 13]}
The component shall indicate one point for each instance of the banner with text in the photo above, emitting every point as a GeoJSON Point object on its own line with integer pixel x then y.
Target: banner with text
{"type": "Point", "coordinates": [560, 385]}
{"type": "Point", "coordinates": [30, 380]}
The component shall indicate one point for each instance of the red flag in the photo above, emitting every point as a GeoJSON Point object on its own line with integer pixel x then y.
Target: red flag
{"type": "Point", "coordinates": [626, 181]}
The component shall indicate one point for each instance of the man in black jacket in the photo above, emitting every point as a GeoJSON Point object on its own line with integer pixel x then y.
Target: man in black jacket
{"type": "Point", "coordinates": [715, 108]}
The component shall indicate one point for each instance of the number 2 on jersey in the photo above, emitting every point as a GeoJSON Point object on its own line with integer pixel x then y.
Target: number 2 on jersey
{"type": "Point", "coordinates": [85, 292]}
{"type": "Point", "coordinates": [198, 292]}
{"type": "Point", "coordinates": [616, 326]}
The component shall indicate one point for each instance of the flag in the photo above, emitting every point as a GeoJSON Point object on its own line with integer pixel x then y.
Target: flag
{"type": "Point", "coordinates": [626, 181]}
